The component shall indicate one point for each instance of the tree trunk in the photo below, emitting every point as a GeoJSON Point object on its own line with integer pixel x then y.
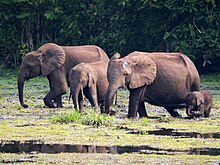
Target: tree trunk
{"type": "Point", "coordinates": [29, 35]}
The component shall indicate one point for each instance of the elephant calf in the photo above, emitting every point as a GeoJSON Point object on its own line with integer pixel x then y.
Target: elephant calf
{"type": "Point", "coordinates": [198, 104]}
{"type": "Point", "coordinates": [91, 78]}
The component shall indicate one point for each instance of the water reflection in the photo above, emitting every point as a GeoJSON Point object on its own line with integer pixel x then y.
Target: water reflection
{"type": "Point", "coordinates": [173, 132]}
{"type": "Point", "coordinates": [40, 147]}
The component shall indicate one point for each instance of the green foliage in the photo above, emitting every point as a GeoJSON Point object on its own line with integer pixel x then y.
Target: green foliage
{"type": "Point", "coordinates": [64, 117]}
{"type": "Point", "coordinates": [144, 121]}
{"type": "Point", "coordinates": [190, 27]}
{"type": "Point", "coordinates": [89, 117]}
{"type": "Point", "coordinates": [96, 120]}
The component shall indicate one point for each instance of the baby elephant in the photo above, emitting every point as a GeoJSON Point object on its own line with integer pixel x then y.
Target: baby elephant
{"type": "Point", "coordinates": [91, 80]}
{"type": "Point", "coordinates": [198, 104]}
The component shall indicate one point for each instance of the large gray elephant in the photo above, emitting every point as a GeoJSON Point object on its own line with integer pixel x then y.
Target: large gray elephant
{"type": "Point", "coordinates": [55, 62]}
{"type": "Point", "coordinates": [161, 79]}
{"type": "Point", "coordinates": [198, 104]}
{"type": "Point", "coordinates": [91, 79]}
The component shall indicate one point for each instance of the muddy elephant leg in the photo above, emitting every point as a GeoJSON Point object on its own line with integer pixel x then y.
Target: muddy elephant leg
{"type": "Point", "coordinates": [173, 112]}
{"type": "Point", "coordinates": [58, 100]}
{"type": "Point", "coordinates": [134, 102]}
{"type": "Point", "coordinates": [141, 110]}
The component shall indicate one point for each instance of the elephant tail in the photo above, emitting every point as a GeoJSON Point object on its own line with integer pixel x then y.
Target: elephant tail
{"type": "Point", "coordinates": [103, 55]}
{"type": "Point", "coordinates": [183, 59]}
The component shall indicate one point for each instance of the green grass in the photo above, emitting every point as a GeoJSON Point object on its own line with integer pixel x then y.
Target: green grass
{"type": "Point", "coordinates": [67, 126]}
{"type": "Point", "coordinates": [88, 117]}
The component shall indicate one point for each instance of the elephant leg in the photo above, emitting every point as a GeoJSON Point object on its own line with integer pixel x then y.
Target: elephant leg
{"type": "Point", "coordinates": [141, 110]}
{"type": "Point", "coordinates": [91, 95]}
{"type": "Point", "coordinates": [207, 112]}
{"type": "Point", "coordinates": [134, 102]}
{"type": "Point", "coordinates": [48, 99]}
{"type": "Point", "coordinates": [58, 100]}
{"type": "Point", "coordinates": [58, 87]}
{"type": "Point", "coordinates": [80, 99]}
{"type": "Point", "coordinates": [173, 112]}
{"type": "Point", "coordinates": [102, 106]}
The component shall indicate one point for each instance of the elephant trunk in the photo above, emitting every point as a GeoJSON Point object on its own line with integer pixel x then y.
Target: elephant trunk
{"type": "Point", "coordinates": [75, 100]}
{"type": "Point", "coordinates": [75, 97]}
{"type": "Point", "coordinates": [199, 112]}
{"type": "Point", "coordinates": [189, 111]}
{"type": "Point", "coordinates": [21, 80]}
{"type": "Point", "coordinates": [109, 96]}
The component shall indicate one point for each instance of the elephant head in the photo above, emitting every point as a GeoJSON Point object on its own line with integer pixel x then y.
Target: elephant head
{"type": "Point", "coordinates": [43, 61]}
{"type": "Point", "coordinates": [194, 103]}
{"type": "Point", "coordinates": [80, 77]}
{"type": "Point", "coordinates": [132, 71]}
{"type": "Point", "coordinates": [198, 103]}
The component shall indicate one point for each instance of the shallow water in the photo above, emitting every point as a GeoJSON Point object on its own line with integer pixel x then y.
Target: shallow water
{"type": "Point", "coordinates": [176, 133]}
{"type": "Point", "coordinates": [40, 147]}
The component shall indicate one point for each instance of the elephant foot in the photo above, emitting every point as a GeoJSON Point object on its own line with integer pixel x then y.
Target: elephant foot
{"type": "Point", "coordinates": [174, 112]}
{"type": "Point", "coordinates": [112, 111]}
{"type": "Point", "coordinates": [58, 102]}
{"type": "Point", "coordinates": [197, 114]}
{"type": "Point", "coordinates": [59, 106]}
{"type": "Point", "coordinates": [24, 105]}
{"type": "Point", "coordinates": [49, 103]}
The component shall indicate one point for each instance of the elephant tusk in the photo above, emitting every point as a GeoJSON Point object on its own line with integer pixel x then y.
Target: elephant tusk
{"type": "Point", "coordinates": [83, 97]}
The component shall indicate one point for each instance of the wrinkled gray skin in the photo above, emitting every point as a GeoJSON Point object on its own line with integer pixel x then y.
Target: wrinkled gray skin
{"type": "Point", "coordinates": [91, 78]}
{"type": "Point", "coordinates": [55, 62]}
{"type": "Point", "coordinates": [198, 104]}
{"type": "Point", "coordinates": [161, 79]}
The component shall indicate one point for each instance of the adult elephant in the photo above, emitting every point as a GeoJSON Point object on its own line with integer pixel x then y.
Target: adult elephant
{"type": "Point", "coordinates": [55, 62]}
{"type": "Point", "coordinates": [161, 79]}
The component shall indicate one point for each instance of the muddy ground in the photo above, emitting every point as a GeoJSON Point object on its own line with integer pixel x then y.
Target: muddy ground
{"type": "Point", "coordinates": [30, 136]}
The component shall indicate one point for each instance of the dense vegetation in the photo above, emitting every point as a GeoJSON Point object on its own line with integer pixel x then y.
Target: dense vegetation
{"type": "Point", "coordinates": [188, 26]}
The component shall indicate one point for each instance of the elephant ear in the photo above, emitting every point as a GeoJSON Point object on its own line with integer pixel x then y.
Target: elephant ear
{"type": "Point", "coordinates": [144, 71]}
{"type": "Point", "coordinates": [52, 58]}
{"type": "Point", "coordinates": [199, 98]}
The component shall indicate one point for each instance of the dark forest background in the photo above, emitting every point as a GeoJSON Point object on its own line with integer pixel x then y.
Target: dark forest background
{"type": "Point", "coordinates": [188, 26]}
